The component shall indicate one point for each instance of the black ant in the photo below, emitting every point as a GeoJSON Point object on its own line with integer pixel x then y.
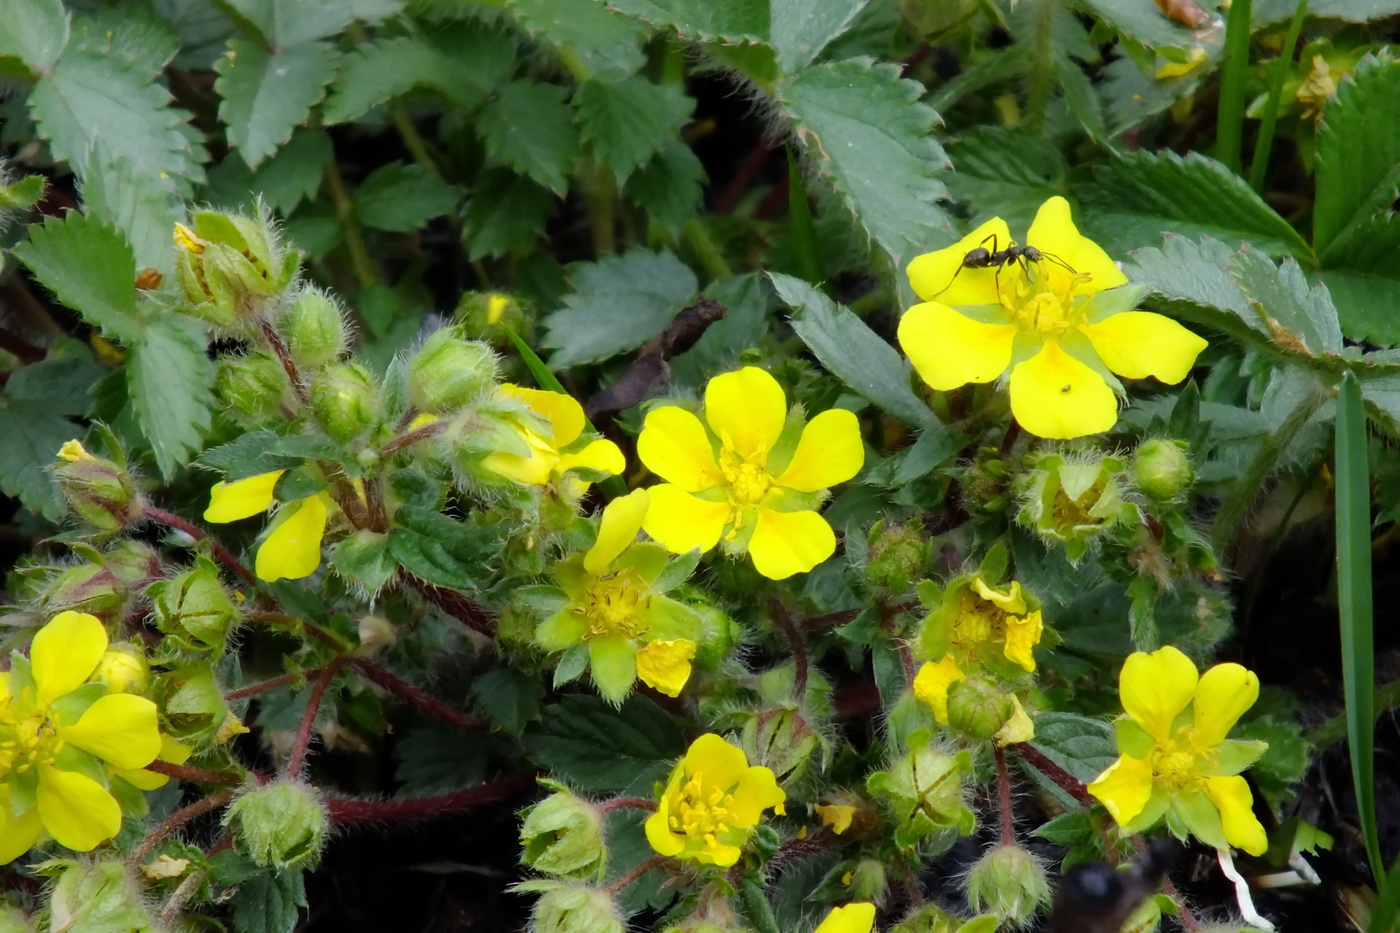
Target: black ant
{"type": "Point", "coordinates": [983, 258]}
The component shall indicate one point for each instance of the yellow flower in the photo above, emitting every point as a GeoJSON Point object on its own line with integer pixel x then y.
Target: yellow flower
{"type": "Point", "coordinates": [858, 917]}
{"type": "Point", "coordinates": [736, 482]}
{"type": "Point", "coordinates": [561, 418]}
{"type": "Point", "coordinates": [57, 732]}
{"type": "Point", "coordinates": [615, 604]}
{"type": "Point", "coordinates": [73, 451]}
{"type": "Point", "coordinates": [291, 547]}
{"type": "Point", "coordinates": [837, 816]}
{"type": "Point", "coordinates": [1061, 334]}
{"type": "Point", "coordinates": [711, 804]}
{"type": "Point", "coordinates": [496, 306]}
{"type": "Point", "coordinates": [1175, 759]}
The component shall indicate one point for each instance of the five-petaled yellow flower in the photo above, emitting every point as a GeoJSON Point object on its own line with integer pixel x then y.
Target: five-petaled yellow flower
{"type": "Point", "coordinates": [291, 547]}
{"type": "Point", "coordinates": [712, 803]}
{"type": "Point", "coordinates": [59, 733]}
{"type": "Point", "coordinates": [552, 437]}
{"type": "Point", "coordinates": [742, 480]}
{"type": "Point", "coordinates": [857, 917]}
{"type": "Point", "coordinates": [617, 607]}
{"type": "Point", "coordinates": [1175, 759]}
{"type": "Point", "coordinates": [1061, 325]}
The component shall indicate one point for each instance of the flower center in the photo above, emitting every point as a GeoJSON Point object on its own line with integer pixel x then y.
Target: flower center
{"type": "Point", "coordinates": [701, 812]}
{"type": "Point", "coordinates": [26, 741]}
{"type": "Point", "coordinates": [748, 482]}
{"type": "Point", "coordinates": [1176, 765]}
{"type": "Point", "coordinates": [615, 603]}
{"type": "Point", "coordinates": [1035, 306]}
{"type": "Point", "coordinates": [981, 622]}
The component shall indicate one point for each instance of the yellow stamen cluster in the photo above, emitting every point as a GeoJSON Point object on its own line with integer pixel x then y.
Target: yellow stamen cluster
{"type": "Point", "coordinates": [26, 741]}
{"type": "Point", "coordinates": [749, 483]}
{"type": "Point", "coordinates": [701, 813]}
{"type": "Point", "coordinates": [616, 605]}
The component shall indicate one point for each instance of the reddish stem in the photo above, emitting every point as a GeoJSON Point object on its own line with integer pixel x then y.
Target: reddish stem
{"type": "Point", "coordinates": [175, 820]}
{"type": "Point", "coordinates": [20, 348]}
{"type": "Point", "coordinates": [457, 605]}
{"type": "Point", "coordinates": [622, 882]}
{"type": "Point", "coordinates": [411, 694]}
{"type": "Point", "coordinates": [308, 718]}
{"type": "Point", "coordinates": [1188, 919]}
{"type": "Point", "coordinates": [431, 429]}
{"type": "Point", "coordinates": [1066, 781]}
{"type": "Point", "coordinates": [345, 812]}
{"type": "Point", "coordinates": [747, 172]}
{"type": "Point", "coordinates": [223, 845]}
{"type": "Point", "coordinates": [193, 774]}
{"type": "Point", "coordinates": [627, 803]}
{"type": "Point", "coordinates": [221, 552]}
{"type": "Point", "coordinates": [799, 649]}
{"type": "Point", "coordinates": [289, 366]}
{"type": "Point", "coordinates": [252, 690]}
{"type": "Point", "coordinates": [1008, 819]}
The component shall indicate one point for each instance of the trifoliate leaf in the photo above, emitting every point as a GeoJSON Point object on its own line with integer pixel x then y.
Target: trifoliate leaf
{"type": "Point", "coordinates": [402, 197]}
{"type": "Point", "coordinates": [628, 122]}
{"type": "Point", "coordinates": [142, 210]}
{"type": "Point", "coordinates": [266, 95]}
{"type": "Point", "coordinates": [32, 34]}
{"type": "Point", "coordinates": [89, 267]}
{"type": "Point", "coordinates": [506, 211]}
{"type": "Point", "coordinates": [669, 186]}
{"type": "Point", "coordinates": [531, 128]}
{"type": "Point", "coordinates": [619, 302]}
{"type": "Point", "coordinates": [167, 379]}
{"type": "Point", "coordinates": [607, 44]}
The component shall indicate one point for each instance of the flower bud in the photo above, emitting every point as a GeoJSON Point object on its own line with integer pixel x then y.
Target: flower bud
{"type": "Point", "coordinates": [280, 825]}
{"type": "Point", "coordinates": [1162, 470]}
{"type": "Point", "coordinates": [977, 707]}
{"type": "Point", "coordinates": [924, 790]}
{"type": "Point", "coordinates": [345, 400]}
{"type": "Point", "coordinates": [868, 881]}
{"type": "Point", "coordinates": [315, 330]}
{"type": "Point", "coordinates": [196, 606]}
{"type": "Point", "coordinates": [718, 635]}
{"type": "Point", "coordinates": [563, 835]}
{"type": "Point", "coordinates": [230, 266]}
{"type": "Point", "coordinates": [376, 633]}
{"type": "Point", "coordinates": [98, 491]}
{"type": "Point", "coordinates": [103, 897]}
{"type": "Point", "coordinates": [484, 313]}
{"type": "Point", "coordinates": [1146, 919]}
{"type": "Point", "coordinates": [1010, 882]}
{"type": "Point", "coordinates": [449, 372]}
{"type": "Point", "coordinates": [134, 562]}
{"type": "Point", "coordinates": [780, 740]}
{"type": "Point", "coordinates": [86, 588]}
{"type": "Point", "coordinates": [930, 919]}
{"type": "Point", "coordinates": [1072, 502]}
{"type": "Point", "coordinates": [568, 908]}
{"type": "Point", "coordinates": [897, 557]}
{"type": "Point", "coordinates": [253, 385]}
{"type": "Point", "coordinates": [194, 707]}
{"type": "Point", "coordinates": [123, 669]}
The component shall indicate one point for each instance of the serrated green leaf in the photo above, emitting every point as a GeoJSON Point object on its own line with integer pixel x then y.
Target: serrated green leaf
{"type": "Point", "coordinates": [35, 409]}
{"type": "Point", "coordinates": [363, 558]}
{"type": "Point", "coordinates": [1141, 22]}
{"type": "Point", "coordinates": [867, 135]}
{"type": "Point", "coordinates": [294, 174]}
{"type": "Point", "coordinates": [401, 198]}
{"type": "Point", "coordinates": [1191, 280]}
{"type": "Point", "coordinates": [1358, 154]}
{"type": "Point", "coordinates": [1082, 746]}
{"type": "Point", "coordinates": [1267, 12]}
{"type": "Point", "coordinates": [1283, 294]}
{"type": "Point", "coordinates": [506, 211]}
{"type": "Point", "coordinates": [88, 98]}
{"type": "Point", "coordinates": [508, 698]}
{"type": "Point", "coordinates": [1135, 199]}
{"type": "Point", "coordinates": [1005, 173]}
{"type": "Point", "coordinates": [800, 29]}
{"type": "Point", "coordinates": [607, 44]}
{"type": "Point", "coordinates": [463, 62]}
{"type": "Point", "coordinates": [628, 122]}
{"type": "Point", "coordinates": [855, 353]}
{"type": "Point", "coordinates": [284, 24]}
{"type": "Point", "coordinates": [435, 759]}
{"type": "Point", "coordinates": [597, 748]}
{"type": "Point", "coordinates": [619, 302]}
{"type": "Point", "coordinates": [1068, 829]}
{"type": "Point", "coordinates": [439, 549]}
{"type": "Point", "coordinates": [268, 902]}
{"type": "Point", "coordinates": [132, 33]}
{"type": "Point", "coordinates": [531, 128]}
{"type": "Point", "coordinates": [89, 267]}
{"type": "Point", "coordinates": [264, 96]}
{"type": "Point", "coordinates": [142, 210]}
{"type": "Point", "coordinates": [167, 378]}
{"type": "Point", "coordinates": [249, 455]}
{"type": "Point", "coordinates": [730, 20]}
{"type": "Point", "coordinates": [35, 32]}
{"type": "Point", "coordinates": [669, 186]}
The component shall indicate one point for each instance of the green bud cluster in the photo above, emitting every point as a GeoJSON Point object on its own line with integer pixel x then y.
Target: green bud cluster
{"type": "Point", "coordinates": [314, 328]}
{"type": "Point", "coordinates": [978, 706]}
{"type": "Point", "coordinates": [194, 609]}
{"type": "Point", "coordinates": [230, 268]}
{"type": "Point", "coordinates": [280, 825]}
{"type": "Point", "coordinates": [345, 400]}
{"type": "Point", "coordinates": [1162, 469]}
{"type": "Point", "coordinates": [897, 557]}
{"type": "Point", "coordinates": [253, 386]}
{"type": "Point", "coordinates": [449, 372]}
{"type": "Point", "coordinates": [99, 492]}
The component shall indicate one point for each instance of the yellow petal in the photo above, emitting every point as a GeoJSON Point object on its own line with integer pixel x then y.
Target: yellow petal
{"type": "Point", "coordinates": [756, 791]}
{"type": "Point", "coordinates": [932, 682]}
{"type": "Point", "coordinates": [673, 445]}
{"type": "Point", "coordinates": [1124, 788]}
{"type": "Point", "coordinates": [1138, 344]}
{"type": "Point", "coordinates": [785, 543]}
{"type": "Point", "coordinates": [949, 349]}
{"type": "Point", "coordinates": [617, 529]}
{"type": "Point", "coordinates": [532, 470]}
{"type": "Point", "coordinates": [120, 729]}
{"type": "Point", "coordinates": [858, 917]}
{"type": "Point", "coordinates": [65, 652]}
{"type": "Point", "coordinates": [665, 665]}
{"type": "Point", "coordinates": [1222, 696]}
{"type": "Point", "coordinates": [940, 275]}
{"type": "Point", "coordinates": [837, 816]}
{"type": "Point", "coordinates": [17, 833]}
{"type": "Point", "coordinates": [292, 549]}
{"type": "Point", "coordinates": [1053, 231]}
{"type": "Point", "coordinates": [720, 763]}
{"type": "Point", "coordinates": [1019, 727]}
{"type": "Point", "coordinates": [244, 498]}
{"type": "Point", "coordinates": [1054, 395]}
{"type": "Point", "coordinates": [829, 452]}
{"type": "Point", "coordinates": [73, 451]}
{"type": "Point", "coordinates": [1232, 798]}
{"type": "Point", "coordinates": [659, 833]}
{"type": "Point", "coordinates": [1155, 688]}
{"type": "Point", "coordinates": [561, 412]}
{"type": "Point", "coordinates": [601, 455]}
{"type": "Point", "coordinates": [422, 421]}
{"type": "Point", "coordinates": [680, 522]}
{"type": "Point", "coordinates": [1010, 600]}
{"type": "Point", "coordinates": [77, 811]}
{"type": "Point", "coordinates": [1022, 635]}
{"type": "Point", "coordinates": [746, 410]}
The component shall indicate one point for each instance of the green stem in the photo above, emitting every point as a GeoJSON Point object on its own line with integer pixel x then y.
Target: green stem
{"type": "Point", "coordinates": [1042, 67]}
{"type": "Point", "coordinates": [414, 142]}
{"type": "Point", "coordinates": [698, 239]}
{"type": "Point", "coordinates": [600, 194]}
{"type": "Point", "coordinates": [1229, 129]}
{"type": "Point", "coordinates": [354, 237]}
{"type": "Point", "coordinates": [1259, 166]}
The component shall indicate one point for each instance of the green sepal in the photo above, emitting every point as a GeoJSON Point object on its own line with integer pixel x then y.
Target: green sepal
{"type": "Point", "coordinates": [1233, 755]}
{"type": "Point", "coordinates": [1197, 813]}
{"type": "Point", "coordinates": [1133, 739]}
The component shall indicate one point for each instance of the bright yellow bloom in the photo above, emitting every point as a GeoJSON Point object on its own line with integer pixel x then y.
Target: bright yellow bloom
{"type": "Point", "coordinates": [1175, 759]}
{"type": "Point", "coordinates": [838, 816]}
{"type": "Point", "coordinates": [858, 917]}
{"type": "Point", "coordinates": [553, 442]}
{"type": "Point", "coordinates": [73, 451]}
{"type": "Point", "coordinates": [496, 306]}
{"type": "Point", "coordinates": [291, 547]}
{"type": "Point", "coordinates": [615, 604]}
{"type": "Point", "coordinates": [58, 732]}
{"type": "Point", "coordinates": [712, 803]}
{"type": "Point", "coordinates": [1061, 334]}
{"type": "Point", "coordinates": [739, 482]}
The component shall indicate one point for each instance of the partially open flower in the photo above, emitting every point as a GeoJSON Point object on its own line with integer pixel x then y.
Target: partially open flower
{"type": "Point", "coordinates": [554, 448]}
{"type": "Point", "coordinates": [291, 547]}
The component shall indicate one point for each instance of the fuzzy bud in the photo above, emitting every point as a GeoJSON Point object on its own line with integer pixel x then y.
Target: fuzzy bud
{"type": "Point", "coordinates": [13, 920]}
{"type": "Point", "coordinates": [133, 562]}
{"type": "Point", "coordinates": [194, 605]}
{"type": "Point", "coordinates": [86, 588]}
{"type": "Point", "coordinates": [780, 740]}
{"type": "Point", "coordinates": [253, 385]}
{"type": "Point", "coordinates": [924, 790]}
{"type": "Point", "coordinates": [977, 707]}
{"type": "Point", "coordinates": [563, 835]}
{"type": "Point", "coordinates": [194, 706]}
{"type": "Point", "coordinates": [898, 555]}
{"type": "Point", "coordinates": [569, 908]}
{"type": "Point", "coordinates": [315, 331]}
{"type": "Point", "coordinates": [449, 372]}
{"type": "Point", "coordinates": [1162, 469]}
{"type": "Point", "coordinates": [868, 882]}
{"type": "Point", "coordinates": [280, 825]}
{"type": "Point", "coordinates": [1073, 502]}
{"type": "Point", "coordinates": [485, 313]}
{"type": "Point", "coordinates": [376, 633]}
{"type": "Point", "coordinates": [928, 919]}
{"type": "Point", "coordinates": [123, 669]}
{"type": "Point", "coordinates": [1146, 919]}
{"type": "Point", "coordinates": [98, 491]}
{"type": "Point", "coordinates": [1010, 882]}
{"type": "Point", "coordinates": [345, 399]}
{"type": "Point", "coordinates": [103, 897]}
{"type": "Point", "coordinates": [229, 266]}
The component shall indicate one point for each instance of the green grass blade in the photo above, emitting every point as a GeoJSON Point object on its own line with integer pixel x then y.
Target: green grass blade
{"type": "Point", "coordinates": [1354, 602]}
{"type": "Point", "coordinates": [1229, 127]}
{"type": "Point", "coordinates": [1383, 914]}
{"type": "Point", "coordinates": [1259, 166]}
{"type": "Point", "coordinates": [804, 232]}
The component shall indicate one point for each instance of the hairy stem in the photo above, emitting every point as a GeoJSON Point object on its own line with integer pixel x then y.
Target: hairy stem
{"type": "Point", "coordinates": [308, 718]}
{"type": "Point", "coordinates": [1008, 818]}
{"type": "Point", "coordinates": [346, 812]}
{"type": "Point", "coordinates": [615, 887]}
{"type": "Point", "coordinates": [174, 821]}
{"type": "Point", "coordinates": [221, 552]}
{"type": "Point", "coordinates": [457, 605]}
{"type": "Point", "coordinates": [627, 803]}
{"type": "Point", "coordinates": [412, 695]}
{"type": "Point", "coordinates": [799, 648]}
